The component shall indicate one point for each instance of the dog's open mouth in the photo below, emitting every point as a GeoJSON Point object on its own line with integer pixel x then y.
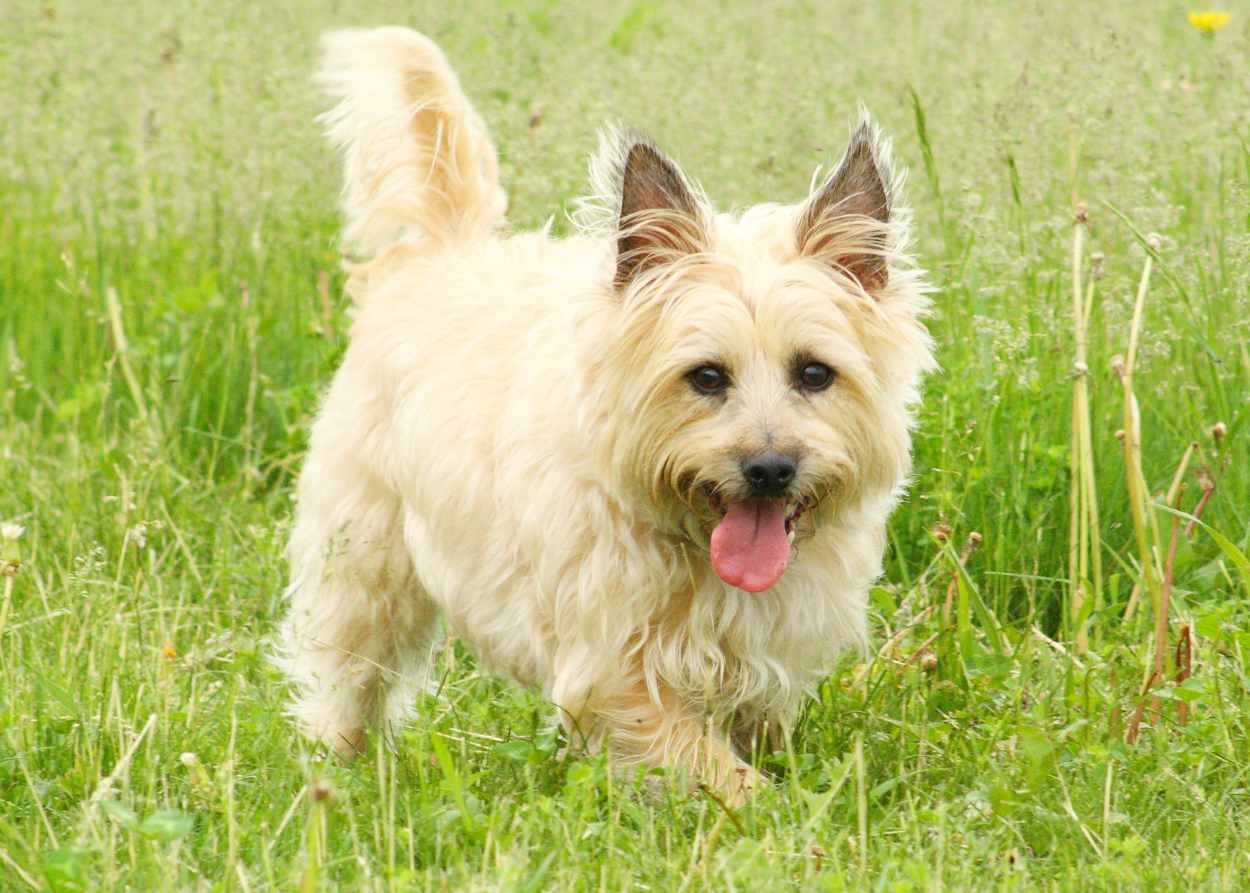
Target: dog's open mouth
{"type": "Point", "coordinates": [751, 543]}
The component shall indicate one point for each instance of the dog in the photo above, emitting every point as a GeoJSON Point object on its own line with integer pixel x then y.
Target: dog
{"type": "Point", "coordinates": [646, 468]}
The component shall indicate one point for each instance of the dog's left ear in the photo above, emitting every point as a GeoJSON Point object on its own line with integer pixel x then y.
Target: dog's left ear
{"type": "Point", "coordinates": [846, 222]}
{"type": "Point", "coordinates": [660, 219]}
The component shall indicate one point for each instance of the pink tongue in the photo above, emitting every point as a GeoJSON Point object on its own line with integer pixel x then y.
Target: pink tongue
{"type": "Point", "coordinates": [750, 548]}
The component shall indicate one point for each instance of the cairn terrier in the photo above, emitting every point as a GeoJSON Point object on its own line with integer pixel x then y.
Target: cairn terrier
{"type": "Point", "coordinates": [646, 468]}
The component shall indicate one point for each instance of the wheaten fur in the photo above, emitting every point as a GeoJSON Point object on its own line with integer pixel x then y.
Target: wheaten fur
{"type": "Point", "coordinates": [511, 444]}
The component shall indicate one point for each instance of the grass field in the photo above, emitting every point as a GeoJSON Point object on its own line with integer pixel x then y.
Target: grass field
{"type": "Point", "coordinates": [169, 311]}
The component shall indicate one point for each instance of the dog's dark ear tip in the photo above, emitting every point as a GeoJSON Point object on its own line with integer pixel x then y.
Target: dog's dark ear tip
{"type": "Point", "coordinates": [650, 181]}
{"type": "Point", "coordinates": [657, 214]}
{"type": "Point", "coordinates": [846, 221]}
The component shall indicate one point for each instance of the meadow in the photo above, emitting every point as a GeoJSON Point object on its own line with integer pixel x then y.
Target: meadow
{"type": "Point", "coordinates": [1057, 695]}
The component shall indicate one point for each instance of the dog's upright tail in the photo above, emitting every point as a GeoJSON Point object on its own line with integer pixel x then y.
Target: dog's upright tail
{"type": "Point", "coordinates": [417, 158]}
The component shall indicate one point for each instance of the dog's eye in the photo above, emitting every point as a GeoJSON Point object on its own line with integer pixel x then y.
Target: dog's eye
{"type": "Point", "coordinates": [815, 376]}
{"type": "Point", "coordinates": [708, 379]}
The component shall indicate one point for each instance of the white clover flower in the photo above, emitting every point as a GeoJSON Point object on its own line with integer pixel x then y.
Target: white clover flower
{"type": "Point", "coordinates": [138, 535]}
{"type": "Point", "coordinates": [11, 532]}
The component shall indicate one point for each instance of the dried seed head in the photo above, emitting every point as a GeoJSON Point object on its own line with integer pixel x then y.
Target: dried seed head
{"type": "Point", "coordinates": [1218, 430]}
{"type": "Point", "coordinates": [974, 538]}
{"type": "Point", "coordinates": [1097, 265]}
{"type": "Point", "coordinates": [1155, 241]}
{"type": "Point", "coordinates": [1119, 435]}
{"type": "Point", "coordinates": [320, 790]}
{"type": "Point", "coordinates": [9, 568]}
{"type": "Point", "coordinates": [1117, 365]}
{"type": "Point", "coordinates": [941, 531]}
{"type": "Point", "coordinates": [928, 661]}
{"type": "Point", "coordinates": [1082, 213]}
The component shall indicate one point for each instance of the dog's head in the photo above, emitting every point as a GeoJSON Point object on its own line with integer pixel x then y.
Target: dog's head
{"type": "Point", "coordinates": [760, 366]}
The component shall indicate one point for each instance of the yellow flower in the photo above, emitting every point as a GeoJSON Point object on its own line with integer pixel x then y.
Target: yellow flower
{"type": "Point", "coordinates": [169, 651]}
{"type": "Point", "coordinates": [1208, 22]}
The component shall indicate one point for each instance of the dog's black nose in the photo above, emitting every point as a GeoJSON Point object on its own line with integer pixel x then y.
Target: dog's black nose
{"type": "Point", "coordinates": [769, 473]}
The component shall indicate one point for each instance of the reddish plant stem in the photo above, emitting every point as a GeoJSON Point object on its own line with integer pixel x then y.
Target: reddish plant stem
{"type": "Point", "coordinates": [970, 546]}
{"type": "Point", "coordinates": [1184, 668]}
{"type": "Point", "coordinates": [1208, 488]}
{"type": "Point", "coordinates": [1134, 726]}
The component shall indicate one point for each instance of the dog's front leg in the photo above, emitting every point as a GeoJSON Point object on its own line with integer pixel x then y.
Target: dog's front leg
{"type": "Point", "coordinates": [660, 729]}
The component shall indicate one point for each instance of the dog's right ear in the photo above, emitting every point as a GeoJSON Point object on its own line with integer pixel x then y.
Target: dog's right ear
{"type": "Point", "coordinates": [847, 222]}
{"type": "Point", "coordinates": [659, 216]}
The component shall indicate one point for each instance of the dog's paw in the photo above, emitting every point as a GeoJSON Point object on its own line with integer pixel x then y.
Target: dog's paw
{"type": "Point", "coordinates": [742, 784]}
{"type": "Point", "coordinates": [735, 784]}
{"type": "Point", "coordinates": [655, 788]}
{"type": "Point", "coordinates": [346, 744]}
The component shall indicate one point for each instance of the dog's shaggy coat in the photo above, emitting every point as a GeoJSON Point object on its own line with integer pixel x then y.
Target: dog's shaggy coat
{"type": "Point", "coordinates": [524, 438]}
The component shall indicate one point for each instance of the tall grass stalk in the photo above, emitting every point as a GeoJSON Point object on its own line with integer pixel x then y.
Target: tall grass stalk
{"type": "Point", "coordinates": [1084, 541]}
{"type": "Point", "coordinates": [121, 348]}
{"type": "Point", "coordinates": [1145, 531]}
{"type": "Point", "coordinates": [319, 794]}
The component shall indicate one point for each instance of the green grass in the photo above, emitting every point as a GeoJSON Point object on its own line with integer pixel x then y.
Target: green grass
{"type": "Point", "coordinates": [169, 155]}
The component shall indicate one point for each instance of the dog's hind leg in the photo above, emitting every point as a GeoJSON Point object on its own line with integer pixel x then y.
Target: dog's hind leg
{"type": "Point", "coordinates": [359, 626]}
